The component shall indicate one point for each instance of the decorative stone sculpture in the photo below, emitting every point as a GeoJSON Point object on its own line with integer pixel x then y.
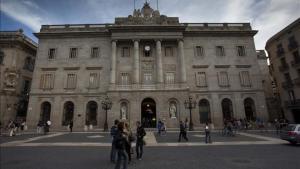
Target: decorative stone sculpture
{"type": "Point", "coordinates": [173, 110]}
{"type": "Point", "coordinates": [124, 112]}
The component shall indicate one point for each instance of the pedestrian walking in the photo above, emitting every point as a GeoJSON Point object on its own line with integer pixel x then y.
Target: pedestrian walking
{"type": "Point", "coordinates": [39, 127]}
{"type": "Point", "coordinates": [120, 142]}
{"type": "Point", "coordinates": [71, 126]}
{"type": "Point", "coordinates": [11, 126]}
{"type": "Point", "coordinates": [140, 134]}
{"type": "Point", "coordinates": [207, 133]}
{"type": "Point", "coordinates": [113, 133]}
{"type": "Point", "coordinates": [183, 130]}
{"type": "Point", "coordinates": [130, 139]}
{"type": "Point", "coordinates": [47, 127]}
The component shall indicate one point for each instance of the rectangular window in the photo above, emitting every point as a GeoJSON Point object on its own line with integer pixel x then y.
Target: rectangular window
{"type": "Point", "coordinates": [241, 51]}
{"type": "Point", "coordinates": [95, 52]}
{"type": "Point", "coordinates": [220, 51]}
{"type": "Point", "coordinates": [168, 51]}
{"type": "Point", "coordinates": [73, 53]}
{"type": "Point", "coordinates": [71, 81]}
{"type": "Point", "coordinates": [94, 80]}
{"type": "Point", "coordinates": [125, 51]}
{"type": "Point", "coordinates": [124, 78]}
{"type": "Point", "coordinates": [52, 53]}
{"type": "Point", "coordinates": [47, 81]}
{"type": "Point", "coordinates": [201, 79]}
{"type": "Point", "coordinates": [199, 51]}
{"type": "Point", "coordinates": [147, 78]}
{"type": "Point", "coordinates": [223, 79]}
{"type": "Point", "coordinates": [245, 79]}
{"type": "Point", "coordinates": [280, 50]}
{"type": "Point", "coordinates": [170, 78]}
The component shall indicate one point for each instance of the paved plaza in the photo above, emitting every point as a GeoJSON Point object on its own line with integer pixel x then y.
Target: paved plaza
{"type": "Point", "coordinates": [90, 150]}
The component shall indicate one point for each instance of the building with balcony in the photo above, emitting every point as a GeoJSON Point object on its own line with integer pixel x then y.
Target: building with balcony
{"type": "Point", "coordinates": [17, 60]}
{"type": "Point", "coordinates": [284, 53]}
{"type": "Point", "coordinates": [148, 64]}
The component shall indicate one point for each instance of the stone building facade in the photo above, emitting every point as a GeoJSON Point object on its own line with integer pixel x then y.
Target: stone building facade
{"type": "Point", "coordinates": [17, 59]}
{"type": "Point", "coordinates": [148, 65]}
{"type": "Point", "coordinates": [284, 53]}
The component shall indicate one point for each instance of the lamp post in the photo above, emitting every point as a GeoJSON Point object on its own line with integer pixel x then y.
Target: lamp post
{"type": "Point", "coordinates": [190, 104]}
{"type": "Point", "coordinates": [106, 105]}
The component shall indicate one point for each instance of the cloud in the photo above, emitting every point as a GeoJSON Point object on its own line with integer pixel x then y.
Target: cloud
{"type": "Point", "coordinates": [25, 12]}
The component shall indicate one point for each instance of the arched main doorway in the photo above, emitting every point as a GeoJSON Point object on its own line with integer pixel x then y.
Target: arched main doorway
{"type": "Point", "coordinates": [68, 113]}
{"type": "Point", "coordinates": [45, 111]}
{"type": "Point", "coordinates": [227, 109]}
{"type": "Point", "coordinates": [204, 111]}
{"type": "Point", "coordinates": [91, 113]}
{"type": "Point", "coordinates": [249, 109]}
{"type": "Point", "coordinates": [148, 114]}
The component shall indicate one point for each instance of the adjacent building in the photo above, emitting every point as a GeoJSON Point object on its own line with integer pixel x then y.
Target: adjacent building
{"type": "Point", "coordinates": [148, 65]}
{"type": "Point", "coordinates": [283, 50]}
{"type": "Point", "coordinates": [17, 59]}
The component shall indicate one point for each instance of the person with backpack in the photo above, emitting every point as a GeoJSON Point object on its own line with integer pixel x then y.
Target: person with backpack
{"type": "Point", "coordinates": [140, 134]}
{"type": "Point", "coordinates": [120, 142]}
{"type": "Point", "coordinates": [113, 133]}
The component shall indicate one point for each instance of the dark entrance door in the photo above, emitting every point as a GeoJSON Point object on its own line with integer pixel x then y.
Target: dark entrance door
{"type": "Point", "coordinates": [148, 116]}
{"type": "Point", "coordinates": [296, 114]}
{"type": "Point", "coordinates": [45, 111]}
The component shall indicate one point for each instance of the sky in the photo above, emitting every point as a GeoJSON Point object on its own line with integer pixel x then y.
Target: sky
{"type": "Point", "coordinates": [266, 16]}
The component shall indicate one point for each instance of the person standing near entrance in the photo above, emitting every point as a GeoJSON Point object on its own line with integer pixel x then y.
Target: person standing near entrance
{"type": "Point", "coordinates": [183, 131]}
{"type": "Point", "coordinates": [120, 143]}
{"type": "Point", "coordinates": [71, 126]}
{"type": "Point", "coordinates": [207, 133]}
{"type": "Point", "coordinates": [140, 134]}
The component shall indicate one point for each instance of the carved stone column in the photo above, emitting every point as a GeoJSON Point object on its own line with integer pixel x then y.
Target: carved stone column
{"type": "Point", "coordinates": [160, 77]}
{"type": "Point", "coordinates": [136, 63]}
{"type": "Point", "coordinates": [181, 61]}
{"type": "Point", "coordinates": [113, 62]}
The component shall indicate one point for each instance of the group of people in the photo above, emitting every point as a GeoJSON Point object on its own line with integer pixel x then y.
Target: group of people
{"type": "Point", "coordinates": [15, 126]}
{"type": "Point", "coordinates": [122, 139]}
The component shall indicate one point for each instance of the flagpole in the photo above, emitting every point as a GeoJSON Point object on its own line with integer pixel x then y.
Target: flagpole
{"type": "Point", "coordinates": [134, 4]}
{"type": "Point", "coordinates": [157, 4]}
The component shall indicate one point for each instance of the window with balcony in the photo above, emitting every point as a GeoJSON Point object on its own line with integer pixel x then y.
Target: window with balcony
{"type": "Point", "coordinates": [199, 51]}
{"type": "Point", "coordinates": [29, 64]}
{"type": "Point", "coordinates": [71, 81]}
{"type": "Point", "coordinates": [52, 53]}
{"type": "Point", "coordinates": [147, 78]}
{"type": "Point", "coordinates": [245, 79]}
{"type": "Point", "coordinates": [73, 53]}
{"type": "Point", "coordinates": [168, 51]}
{"type": "Point", "coordinates": [124, 79]}
{"type": "Point", "coordinates": [170, 78]}
{"type": "Point", "coordinates": [293, 44]}
{"type": "Point", "coordinates": [241, 51]}
{"type": "Point", "coordinates": [95, 52]}
{"type": "Point", "coordinates": [47, 81]}
{"type": "Point", "coordinates": [220, 51]}
{"type": "Point", "coordinates": [223, 79]}
{"type": "Point", "coordinates": [200, 79]}
{"type": "Point", "coordinates": [94, 80]}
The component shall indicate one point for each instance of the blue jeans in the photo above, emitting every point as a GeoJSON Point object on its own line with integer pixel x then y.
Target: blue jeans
{"type": "Point", "coordinates": [122, 161]}
{"type": "Point", "coordinates": [113, 153]}
{"type": "Point", "coordinates": [139, 149]}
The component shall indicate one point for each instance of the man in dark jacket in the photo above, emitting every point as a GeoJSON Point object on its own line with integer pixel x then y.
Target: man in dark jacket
{"type": "Point", "coordinates": [71, 126]}
{"type": "Point", "coordinates": [120, 142]}
{"type": "Point", "coordinates": [183, 130]}
{"type": "Point", "coordinates": [113, 133]}
{"type": "Point", "coordinates": [140, 133]}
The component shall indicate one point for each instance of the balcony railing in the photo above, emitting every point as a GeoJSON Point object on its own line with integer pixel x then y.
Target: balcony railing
{"type": "Point", "coordinates": [297, 81]}
{"type": "Point", "coordinates": [294, 103]}
{"type": "Point", "coordinates": [287, 84]}
{"type": "Point", "coordinates": [284, 67]}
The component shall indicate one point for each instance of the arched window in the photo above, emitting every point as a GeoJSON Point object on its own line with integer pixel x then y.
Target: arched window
{"type": "Point", "coordinates": [91, 113]}
{"type": "Point", "coordinates": [204, 111]}
{"type": "Point", "coordinates": [227, 109]}
{"type": "Point", "coordinates": [68, 113]}
{"type": "Point", "coordinates": [123, 110]}
{"type": "Point", "coordinates": [249, 109]}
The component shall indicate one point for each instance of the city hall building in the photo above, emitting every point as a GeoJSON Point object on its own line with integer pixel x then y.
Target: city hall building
{"type": "Point", "coordinates": [148, 65]}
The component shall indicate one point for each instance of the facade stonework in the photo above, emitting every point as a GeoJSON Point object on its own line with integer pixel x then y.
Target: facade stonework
{"type": "Point", "coordinates": [148, 65]}
{"type": "Point", "coordinates": [284, 53]}
{"type": "Point", "coordinates": [17, 59]}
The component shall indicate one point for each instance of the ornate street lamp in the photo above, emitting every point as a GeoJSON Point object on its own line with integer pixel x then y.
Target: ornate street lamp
{"type": "Point", "coordinates": [106, 105]}
{"type": "Point", "coordinates": [190, 104]}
